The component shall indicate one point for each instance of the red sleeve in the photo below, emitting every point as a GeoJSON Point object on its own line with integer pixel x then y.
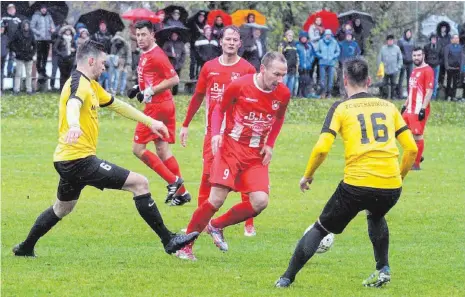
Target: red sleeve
{"type": "Point", "coordinates": [278, 124]}
{"type": "Point", "coordinates": [429, 79]}
{"type": "Point", "coordinates": [229, 97]}
{"type": "Point", "coordinates": [194, 106]}
{"type": "Point", "coordinates": [201, 86]}
{"type": "Point", "coordinates": [164, 66]}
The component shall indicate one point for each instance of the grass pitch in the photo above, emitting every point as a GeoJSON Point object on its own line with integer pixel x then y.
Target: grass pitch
{"type": "Point", "coordinates": [105, 249]}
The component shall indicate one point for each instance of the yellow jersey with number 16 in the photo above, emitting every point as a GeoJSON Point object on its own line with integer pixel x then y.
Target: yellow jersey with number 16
{"type": "Point", "coordinates": [92, 96]}
{"type": "Point", "coordinates": [369, 127]}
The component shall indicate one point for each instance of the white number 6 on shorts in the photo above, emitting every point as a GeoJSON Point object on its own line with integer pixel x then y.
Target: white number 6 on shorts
{"type": "Point", "coordinates": [105, 166]}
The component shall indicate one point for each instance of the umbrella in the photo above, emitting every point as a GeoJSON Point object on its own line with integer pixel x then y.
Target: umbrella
{"type": "Point", "coordinates": [365, 18]}
{"type": "Point", "coordinates": [329, 20]}
{"type": "Point", "coordinates": [164, 34]}
{"type": "Point", "coordinates": [92, 21]}
{"type": "Point", "coordinates": [141, 14]}
{"type": "Point", "coordinates": [22, 7]}
{"type": "Point", "coordinates": [430, 24]}
{"type": "Point", "coordinates": [57, 9]}
{"type": "Point", "coordinates": [240, 17]}
{"type": "Point", "coordinates": [169, 10]}
{"type": "Point", "coordinates": [213, 14]}
{"type": "Point", "coordinates": [193, 18]}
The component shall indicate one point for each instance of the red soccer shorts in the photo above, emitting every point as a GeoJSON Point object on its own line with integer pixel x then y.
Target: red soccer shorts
{"type": "Point", "coordinates": [239, 168]}
{"type": "Point", "coordinates": [207, 153]}
{"type": "Point", "coordinates": [163, 111]}
{"type": "Point", "coordinates": [416, 126]}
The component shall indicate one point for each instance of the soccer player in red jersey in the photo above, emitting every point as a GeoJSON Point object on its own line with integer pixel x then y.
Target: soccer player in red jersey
{"type": "Point", "coordinates": [156, 77]}
{"type": "Point", "coordinates": [255, 105]}
{"type": "Point", "coordinates": [416, 108]}
{"type": "Point", "coordinates": [214, 77]}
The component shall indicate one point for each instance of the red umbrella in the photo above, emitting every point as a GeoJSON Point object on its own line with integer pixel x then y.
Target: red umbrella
{"type": "Point", "coordinates": [138, 14]}
{"type": "Point", "coordinates": [329, 20]}
{"type": "Point", "coordinates": [213, 14]}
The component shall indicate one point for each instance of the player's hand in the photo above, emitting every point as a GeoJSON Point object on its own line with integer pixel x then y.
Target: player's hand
{"type": "Point", "coordinates": [148, 93]}
{"type": "Point", "coordinates": [183, 136]}
{"type": "Point", "coordinates": [73, 134]}
{"type": "Point", "coordinates": [159, 129]}
{"type": "Point", "coordinates": [216, 143]}
{"type": "Point", "coordinates": [403, 109]}
{"type": "Point", "coordinates": [132, 92]}
{"type": "Point", "coordinates": [421, 114]}
{"type": "Point", "coordinates": [267, 151]}
{"type": "Point", "coordinates": [305, 183]}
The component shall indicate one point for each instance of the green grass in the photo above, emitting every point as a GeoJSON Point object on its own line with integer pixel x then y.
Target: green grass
{"type": "Point", "coordinates": [105, 249]}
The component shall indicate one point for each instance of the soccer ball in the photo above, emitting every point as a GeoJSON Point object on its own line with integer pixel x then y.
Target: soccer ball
{"type": "Point", "coordinates": [325, 244]}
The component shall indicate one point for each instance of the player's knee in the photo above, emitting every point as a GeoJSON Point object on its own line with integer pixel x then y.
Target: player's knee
{"type": "Point", "coordinates": [141, 185]}
{"type": "Point", "coordinates": [137, 151]}
{"type": "Point", "coordinates": [163, 152]}
{"type": "Point", "coordinates": [63, 208]}
{"type": "Point", "coordinates": [259, 202]}
{"type": "Point", "coordinates": [418, 137]}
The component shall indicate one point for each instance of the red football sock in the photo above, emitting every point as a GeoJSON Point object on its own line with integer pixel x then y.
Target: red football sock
{"type": "Point", "coordinates": [154, 162]}
{"type": "Point", "coordinates": [421, 147]}
{"type": "Point", "coordinates": [204, 189]}
{"type": "Point", "coordinates": [201, 217]}
{"type": "Point", "coordinates": [173, 166]}
{"type": "Point", "coordinates": [246, 198]}
{"type": "Point", "coordinates": [238, 213]}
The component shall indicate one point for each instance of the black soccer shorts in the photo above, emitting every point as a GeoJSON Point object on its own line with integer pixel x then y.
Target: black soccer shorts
{"type": "Point", "coordinates": [88, 171]}
{"type": "Point", "coordinates": [347, 201]}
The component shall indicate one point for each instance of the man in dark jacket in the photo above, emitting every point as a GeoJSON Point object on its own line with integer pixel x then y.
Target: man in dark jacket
{"type": "Point", "coordinates": [406, 45]}
{"type": "Point", "coordinates": [43, 27]}
{"type": "Point", "coordinates": [207, 48]}
{"type": "Point", "coordinates": [24, 45]}
{"type": "Point", "coordinates": [12, 22]}
{"type": "Point", "coordinates": [452, 62]}
{"type": "Point", "coordinates": [174, 49]}
{"type": "Point", "coordinates": [288, 48]}
{"type": "Point", "coordinates": [443, 33]}
{"type": "Point", "coordinates": [103, 36]}
{"type": "Point", "coordinates": [4, 51]}
{"type": "Point", "coordinates": [196, 30]}
{"type": "Point", "coordinates": [358, 34]}
{"type": "Point", "coordinates": [433, 58]}
{"type": "Point", "coordinates": [254, 48]}
{"type": "Point", "coordinates": [349, 49]}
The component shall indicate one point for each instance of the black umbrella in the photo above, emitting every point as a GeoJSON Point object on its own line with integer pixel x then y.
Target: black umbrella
{"type": "Point", "coordinates": [57, 9]}
{"type": "Point", "coordinates": [92, 21]}
{"type": "Point", "coordinates": [22, 7]}
{"type": "Point", "coordinates": [365, 18]}
{"type": "Point", "coordinates": [169, 10]}
{"type": "Point", "coordinates": [164, 34]}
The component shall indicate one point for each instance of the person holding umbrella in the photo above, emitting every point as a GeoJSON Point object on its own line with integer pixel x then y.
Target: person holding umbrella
{"type": "Point", "coordinates": [206, 47]}
{"type": "Point", "coordinates": [175, 50]}
{"type": "Point", "coordinates": [103, 36]}
{"type": "Point", "coordinates": [173, 20]}
{"type": "Point", "coordinates": [217, 27]}
{"type": "Point", "coordinates": [196, 26]}
{"type": "Point", "coordinates": [359, 34]}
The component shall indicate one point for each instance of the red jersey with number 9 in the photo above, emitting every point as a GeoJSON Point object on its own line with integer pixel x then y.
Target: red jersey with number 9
{"type": "Point", "coordinates": [153, 68]}
{"type": "Point", "coordinates": [421, 79]}
{"type": "Point", "coordinates": [251, 111]}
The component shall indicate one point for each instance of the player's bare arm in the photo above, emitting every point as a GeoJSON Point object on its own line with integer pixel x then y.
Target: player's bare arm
{"type": "Point", "coordinates": [194, 106]}
{"type": "Point", "coordinates": [130, 112]}
{"type": "Point", "coordinates": [73, 111]}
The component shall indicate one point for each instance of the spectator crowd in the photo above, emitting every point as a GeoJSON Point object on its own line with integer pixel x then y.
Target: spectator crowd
{"type": "Point", "coordinates": [314, 56]}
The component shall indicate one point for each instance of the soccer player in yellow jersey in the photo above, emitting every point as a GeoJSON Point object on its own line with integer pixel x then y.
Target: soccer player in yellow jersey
{"type": "Point", "coordinates": [75, 157]}
{"type": "Point", "coordinates": [372, 181]}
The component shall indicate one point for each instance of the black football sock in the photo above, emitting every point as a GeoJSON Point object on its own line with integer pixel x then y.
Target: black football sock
{"type": "Point", "coordinates": [149, 212]}
{"type": "Point", "coordinates": [379, 236]}
{"type": "Point", "coordinates": [305, 249]}
{"type": "Point", "coordinates": [42, 225]}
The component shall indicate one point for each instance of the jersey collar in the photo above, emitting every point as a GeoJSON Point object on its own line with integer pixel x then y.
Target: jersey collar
{"type": "Point", "coordinates": [361, 95]}
{"type": "Point", "coordinates": [151, 49]}
{"type": "Point", "coordinates": [255, 82]}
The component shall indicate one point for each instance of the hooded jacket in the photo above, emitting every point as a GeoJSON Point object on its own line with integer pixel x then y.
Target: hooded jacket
{"type": "Point", "coordinates": [41, 25]}
{"type": "Point", "coordinates": [406, 46]}
{"type": "Point", "coordinates": [176, 47]}
{"type": "Point", "coordinates": [63, 47]}
{"type": "Point", "coordinates": [80, 40]}
{"type": "Point", "coordinates": [328, 50]}
{"type": "Point", "coordinates": [289, 50]}
{"type": "Point", "coordinates": [349, 49]}
{"type": "Point", "coordinates": [206, 49]}
{"type": "Point", "coordinates": [306, 52]}
{"type": "Point", "coordinates": [358, 36]}
{"type": "Point", "coordinates": [120, 48]}
{"type": "Point", "coordinates": [433, 55]}
{"type": "Point", "coordinates": [443, 41]}
{"type": "Point", "coordinates": [453, 56]}
{"type": "Point", "coordinates": [24, 43]}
